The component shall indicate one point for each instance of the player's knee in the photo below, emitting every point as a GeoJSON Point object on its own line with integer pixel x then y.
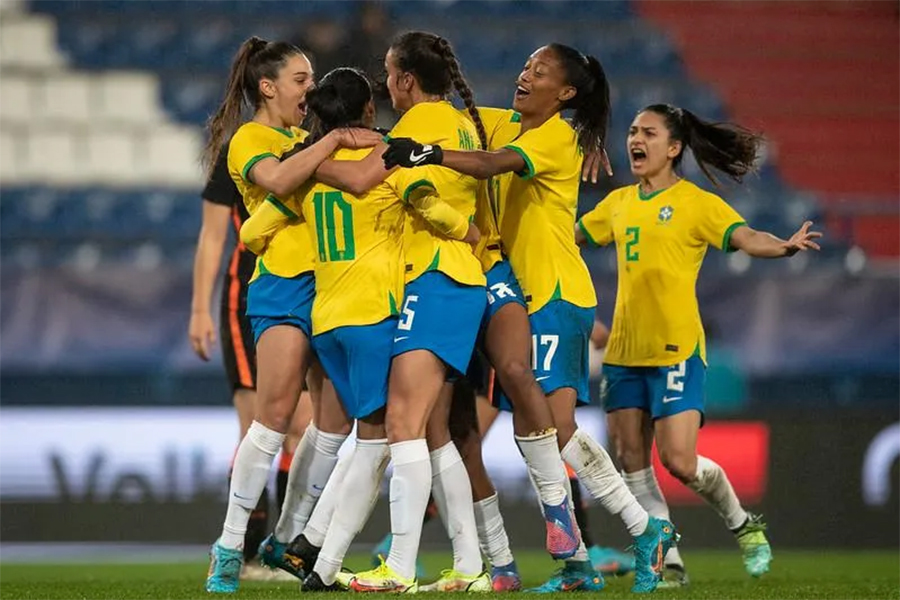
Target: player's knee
{"type": "Point", "coordinates": [682, 465]}
{"type": "Point", "coordinates": [515, 374]}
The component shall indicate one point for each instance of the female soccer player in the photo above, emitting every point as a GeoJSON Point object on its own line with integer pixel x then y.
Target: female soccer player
{"type": "Point", "coordinates": [541, 162]}
{"type": "Point", "coordinates": [272, 80]}
{"type": "Point", "coordinates": [223, 207]}
{"type": "Point", "coordinates": [656, 360]}
{"type": "Point", "coordinates": [430, 343]}
{"type": "Point", "coordinates": [359, 285]}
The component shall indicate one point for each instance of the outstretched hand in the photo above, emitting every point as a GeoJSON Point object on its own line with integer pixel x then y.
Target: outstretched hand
{"type": "Point", "coordinates": [408, 153]}
{"type": "Point", "coordinates": [802, 240]}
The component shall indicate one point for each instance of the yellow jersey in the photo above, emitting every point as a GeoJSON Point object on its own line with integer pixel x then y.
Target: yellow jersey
{"type": "Point", "coordinates": [661, 240]}
{"type": "Point", "coordinates": [359, 266]}
{"type": "Point", "coordinates": [537, 213]}
{"type": "Point", "coordinates": [424, 249]}
{"type": "Point", "coordinates": [290, 251]}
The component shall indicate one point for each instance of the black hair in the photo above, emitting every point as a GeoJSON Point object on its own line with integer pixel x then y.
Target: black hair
{"type": "Point", "coordinates": [256, 59]}
{"type": "Point", "coordinates": [591, 100]}
{"type": "Point", "coordinates": [726, 147]}
{"type": "Point", "coordinates": [339, 100]}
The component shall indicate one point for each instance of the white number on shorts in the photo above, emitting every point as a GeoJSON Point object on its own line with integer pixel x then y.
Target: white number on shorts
{"type": "Point", "coordinates": [406, 319]}
{"type": "Point", "coordinates": [674, 382]}
{"type": "Point", "coordinates": [545, 340]}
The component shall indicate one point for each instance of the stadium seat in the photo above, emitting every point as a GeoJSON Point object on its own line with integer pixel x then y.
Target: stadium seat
{"type": "Point", "coordinates": [65, 99]}
{"type": "Point", "coordinates": [17, 98]}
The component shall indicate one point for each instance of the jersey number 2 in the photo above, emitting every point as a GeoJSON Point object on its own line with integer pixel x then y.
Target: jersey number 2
{"type": "Point", "coordinates": [634, 238]}
{"type": "Point", "coordinates": [326, 205]}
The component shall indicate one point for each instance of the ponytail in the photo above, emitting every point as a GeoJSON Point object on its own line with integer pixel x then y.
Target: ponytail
{"type": "Point", "coordinates": [255, 59]}
{"type": "Point", "coordinates": [591, 100]}
{"type": "Point", "coordinates": [725, 147]}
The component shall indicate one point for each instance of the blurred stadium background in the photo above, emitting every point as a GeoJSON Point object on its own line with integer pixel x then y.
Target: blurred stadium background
{"type": "Point", "coordinates": [112, 430]}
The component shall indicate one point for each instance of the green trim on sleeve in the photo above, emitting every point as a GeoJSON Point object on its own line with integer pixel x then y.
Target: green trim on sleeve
{"type": "Point", "coordinates": [416, 185]}
{"type": "Point", "coordinates": [528, 173]}
{"type": "Point", "coordinates": [584, 230]}
{"type": "Point", "coordinates": [281, 207]}
{"type": "Point", "coordinates": [726, 239]}
{"type": "Point", "coordinates": [245, 172]}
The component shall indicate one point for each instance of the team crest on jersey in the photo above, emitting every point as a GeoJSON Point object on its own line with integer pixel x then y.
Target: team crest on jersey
{"type": "Point", "coordinates": [665, 214]}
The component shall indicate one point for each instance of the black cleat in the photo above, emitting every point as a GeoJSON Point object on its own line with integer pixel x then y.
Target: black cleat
{"type": "Point", "coordinates": [314, 583]}
{"type": "Point", "coordinates": [301, 555]}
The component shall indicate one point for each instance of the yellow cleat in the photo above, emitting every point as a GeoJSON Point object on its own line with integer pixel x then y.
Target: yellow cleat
{"type": "Point", "coordinates": [383, 579]}
{"type": "Point", "coordinates": [344, 579]}
{"type": "Point", "coordinates": [454, 581]}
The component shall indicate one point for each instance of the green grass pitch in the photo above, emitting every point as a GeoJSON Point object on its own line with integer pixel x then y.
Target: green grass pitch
{"type": "Point", "coordinates": [794, 574]}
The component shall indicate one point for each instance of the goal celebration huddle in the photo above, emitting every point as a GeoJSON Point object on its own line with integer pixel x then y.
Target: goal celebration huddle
{"type": "Point", "coordinates": [413, 283]}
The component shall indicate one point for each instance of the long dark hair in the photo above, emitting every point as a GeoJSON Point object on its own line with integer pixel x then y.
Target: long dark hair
{"type": "Point", "coordinates": [339, 100]}
{"type": "Point", "coordinates": [591, 100]}
{"type": "Point", "coordinates": [431, 60]}
{"type": "Point", "coordinates": [726, 147]}
{"type": "Point", "coordinates": [256, 59]}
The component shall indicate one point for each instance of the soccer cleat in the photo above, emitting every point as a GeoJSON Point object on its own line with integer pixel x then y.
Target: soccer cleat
{"type": "Point", "coordinates": [454, 581]}
{"type": "Point", "coordinates": [673, 577]}
{"type": "Point", "coordinates": [573, 577]}
{"type": "Point", "coordinates": [751, 537]}
{"type": "Point", "coordinates": [383, 579]}
{"type": "Point", "coordinates": [275, 555]}
{"type": "Point", "coordinates": [506, 578]}
{"type": "Point", "coordinates": [383, 548]}
{"type": "Point", "coordinates": [344, 578]}
{"type": "Point", "coordinates": [563, 535]}
{"type": "Point", "coordinates": [610, 561]}
{"type": "Point", "coordinates": [649, 550]}
{"type": "Point", "coordinates": [314, 583]}
{"type": "Point", "coordinates": [224, 570]}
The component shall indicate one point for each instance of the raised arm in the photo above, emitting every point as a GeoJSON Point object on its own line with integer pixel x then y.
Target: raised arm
{"type": "Point", "coordinates": [283, 177]}
{"type": "Point", "coordinates": [761, 244]}
{"type": "Point", "coordinates": [480, 164]}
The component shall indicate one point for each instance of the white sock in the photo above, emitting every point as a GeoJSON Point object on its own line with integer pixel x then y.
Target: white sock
{"type": "Point", "coordinates": [712, 485]}
{"type": "Point", "coordinates": [596, 472]}
{"type": "Point", "coordinates": [362, 480]}
{"type": "Point", "coordinates": [310, 470]}
{"type": "Point", "coordinates": [248, 478]}
{"type": "Point", "coordinates": [410, 488]}
{"type": "Point", "coordinates": [320, 520]}
{"type": "Point", "coordinates": [546, 466]}
{"type": "Point", "coordinates": [645, 487]}
{"type": "Point", "coordinates": [452, 492]}
{"type": "Point", "coordinates": [492, 536]}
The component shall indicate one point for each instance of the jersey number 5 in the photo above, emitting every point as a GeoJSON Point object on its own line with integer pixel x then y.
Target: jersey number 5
{"type": "Point", "coordinates": [326, 205]}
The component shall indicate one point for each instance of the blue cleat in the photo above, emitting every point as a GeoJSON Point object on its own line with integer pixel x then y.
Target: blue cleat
{"type": "Point", "coordinates": [610, 561]}
{"type": "Point", "coordinates": [224, 570]}
{"type": "Point", "coordinates": [383, 548]}
{"type": "Point", "coordinates": [506, 578]}
{"type": "Point", "coordinates": [573, 577]}
{"type": "Point", "coordinates": [649, 552]}
{"type": "Point", "coordinates": [563, 535]}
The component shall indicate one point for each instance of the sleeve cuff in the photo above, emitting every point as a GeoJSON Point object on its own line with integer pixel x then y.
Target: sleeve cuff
{"type": "Point", "coordinates": [726, 239]}
{"type": "Point", "coordinates": [528, 173]}
{"type": "Point", "coordinates": [587, 235]}
{"type": "Point", "coordinates": [281, 207]}
{"type": "Point", "coordinates": [245, 172]}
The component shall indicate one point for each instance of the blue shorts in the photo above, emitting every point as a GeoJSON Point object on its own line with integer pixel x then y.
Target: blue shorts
{"type": "Point", "coordinates": [502, 288]}
{"type": "Point", "coordinates": [274, 300]}
{"type": "Point", "coordinates": [560, 334]}
{"type": "Point", "coordinates": [661, 391]}
{"type": "Point", "coordinates": [442, 316]}
{"type": "Point", "coordinates": [357, 359]}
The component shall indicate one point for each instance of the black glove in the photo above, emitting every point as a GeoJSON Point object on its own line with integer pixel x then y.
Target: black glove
{"type": "Point", "coordinates": [407, 153]}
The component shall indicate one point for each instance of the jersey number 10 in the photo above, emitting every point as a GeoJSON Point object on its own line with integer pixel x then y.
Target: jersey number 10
{"type": "Point", "coordinates": [326, 205]}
